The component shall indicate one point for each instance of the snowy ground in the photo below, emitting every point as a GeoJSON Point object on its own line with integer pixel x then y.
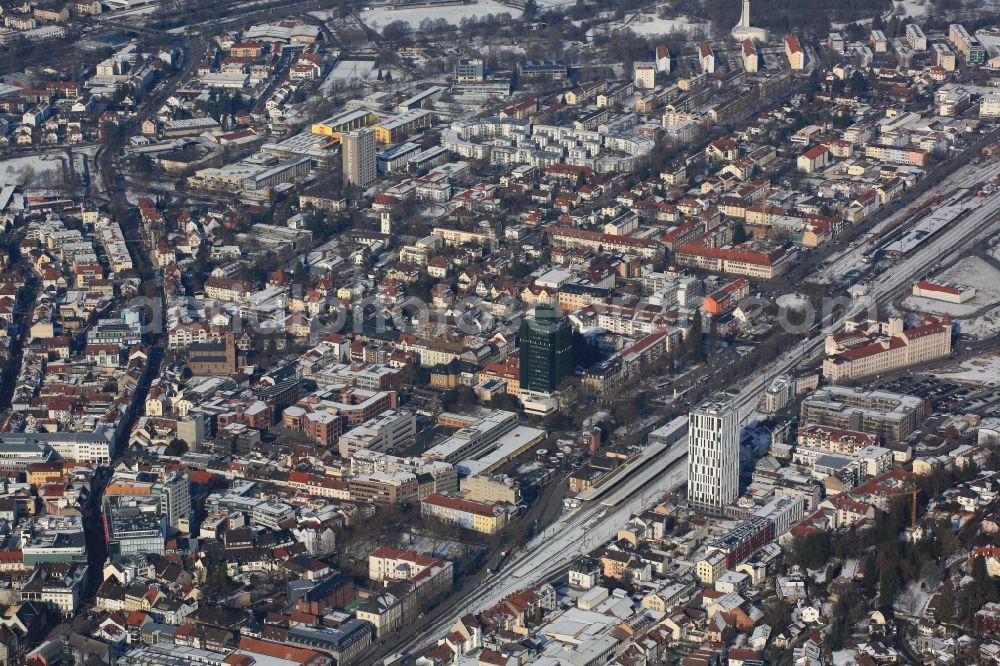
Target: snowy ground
{"type": "Point", "coordinates": [649, 26]}
{"type": "Point", "coordinates": [792, 301]}
{"type": "Point", "coordinates": [381, 16]}
{"type": "Point", "coordinates": [440, 547]}
{"type": "Point", "coordinates": [972, 272]}
{"type": "Point", "coordinates": [347, 70]}
{"type": "Point", "coordinates": [12, 171]}
{"type": "Point", "coordinates": [912, 8]}
{"type": "Point", "coordinates": [851, 258]}
{"type": "Point", "coordinates": [913, 601]}
{"type": "Point", "coordinates": [849, 569]}
{"type": "Point", "coordinates": [818, 575]}
{"type": "Point", "coordinates": [983, 326]}
{"type": "Point", "coordinates": [933, 306]}
{"type": "Point", "coordinates": [981, 370]}
{"type": "Point", "coordinates": [845, 657]}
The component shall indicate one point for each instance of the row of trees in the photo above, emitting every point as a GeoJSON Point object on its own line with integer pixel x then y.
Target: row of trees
{"type": "Point", "coordinates": [61, 180]}
{"type": "Point", "coordinates": [959, 606]}
{"type": "Point", "coordinates": [811, 18]}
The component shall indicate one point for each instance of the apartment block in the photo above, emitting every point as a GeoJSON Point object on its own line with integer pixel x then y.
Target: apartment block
{"type": "Point", "coordinates": [475, 516]}
{"type": "Point", "coordinates": [889, 416]}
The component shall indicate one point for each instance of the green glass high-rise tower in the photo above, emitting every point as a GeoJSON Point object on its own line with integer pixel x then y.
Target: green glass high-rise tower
{"type": "Point", "coordinates": [546, 344]}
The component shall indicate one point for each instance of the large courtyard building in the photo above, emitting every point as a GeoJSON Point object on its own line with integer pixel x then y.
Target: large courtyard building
{"type": "Point", "coordinates": [889, 416]}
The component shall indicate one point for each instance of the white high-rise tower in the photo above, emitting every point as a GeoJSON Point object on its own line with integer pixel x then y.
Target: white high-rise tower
{"type": "Point", "coordinates": [743, 29]}
{"type": "Point", "coordinates": [358, 147]}
{"type": "Point", "coordinates": [713, 456]}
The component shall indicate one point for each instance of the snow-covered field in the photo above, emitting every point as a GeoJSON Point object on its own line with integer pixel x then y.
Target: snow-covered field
{"type": "Point", "coordinates": [983, 326]}
{"type": "Point", "coordinates": [912, 8]}
{"type": "Point", "coordinates": [932, 306]}
{"type": "Point", "coordinates": [981, 370]}
{"type": "Point", "coordinates": [647, 25]}
{"type": "Point", "coordinates": [972, 272]}
{"type": "Point", "coordinates": [12, 171]}
{"type": "Point", "coordinates": [345, 70]}
{"type": "Point", "coordinates": [381, 16]}
{"type": "Point", "coordinates": [650, 26]}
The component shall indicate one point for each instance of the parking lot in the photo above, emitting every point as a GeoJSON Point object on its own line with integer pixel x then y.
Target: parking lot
{"type": "Point", "coordinates": [946, 396]}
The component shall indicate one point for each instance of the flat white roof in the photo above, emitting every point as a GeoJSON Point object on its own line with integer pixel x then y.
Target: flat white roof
{"type": "Point", "coordinates": [505, 447]}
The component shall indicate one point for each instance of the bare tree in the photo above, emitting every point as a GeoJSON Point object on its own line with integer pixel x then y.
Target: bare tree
{"type": "Point", "coordinates": [28, 177]}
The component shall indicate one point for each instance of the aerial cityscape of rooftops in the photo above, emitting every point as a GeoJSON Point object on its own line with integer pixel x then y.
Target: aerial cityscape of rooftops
{"type": "Point", "coordinates": [499, 332]}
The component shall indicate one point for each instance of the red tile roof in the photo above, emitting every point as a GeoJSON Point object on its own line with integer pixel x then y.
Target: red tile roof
{"type": "Point", "coordinates": [815, 152]}
{"type": "Point", "coordinates": [407, 555]}
{"type": "Point", "coordinates": [278, 650]}
{"type": "Point", "coordinates": [458, 504]}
